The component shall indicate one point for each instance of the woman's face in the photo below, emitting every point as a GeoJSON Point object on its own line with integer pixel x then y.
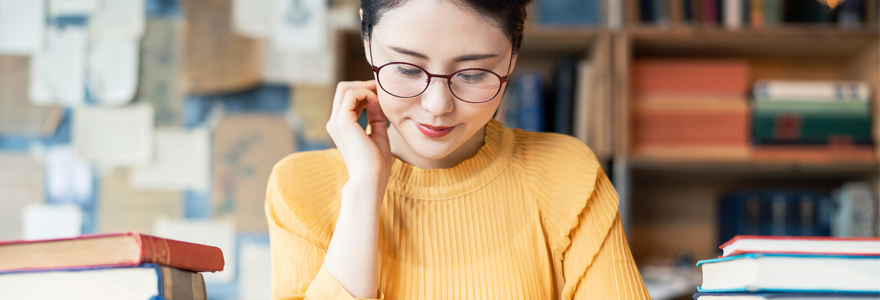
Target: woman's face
{"type": "Point", "coordinates": [440, 37]}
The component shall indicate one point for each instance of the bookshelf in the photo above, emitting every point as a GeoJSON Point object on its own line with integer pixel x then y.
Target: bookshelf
{"type": "Point", "coordinates": [668, 203]}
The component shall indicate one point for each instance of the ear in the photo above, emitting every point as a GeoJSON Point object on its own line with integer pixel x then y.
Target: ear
{"type": "Point", "coordinates": [361, 13]}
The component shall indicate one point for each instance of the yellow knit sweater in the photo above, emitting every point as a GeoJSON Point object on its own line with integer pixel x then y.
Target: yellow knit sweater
{"type": "Point", "coordinates": [531, 216]}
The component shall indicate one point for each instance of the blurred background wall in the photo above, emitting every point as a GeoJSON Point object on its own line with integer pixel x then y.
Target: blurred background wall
{"type": "Point", "coordinates": [713, 117]}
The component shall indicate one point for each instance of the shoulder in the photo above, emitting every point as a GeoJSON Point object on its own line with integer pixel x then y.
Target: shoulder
{"type": "Point", "coordinates": [547, 148]}
{"type": "Point", "coordinates": [304, 189]}
{"type": "Point", "coordinates": [552, 159]}
{"type": "Point", "coordinates": [563, 175]}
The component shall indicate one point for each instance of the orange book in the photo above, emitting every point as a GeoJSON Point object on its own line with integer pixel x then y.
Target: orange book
{"type": "Point", "coordinates": [108, 250]}
{"type": "Point", "coordinates": [691, 76]}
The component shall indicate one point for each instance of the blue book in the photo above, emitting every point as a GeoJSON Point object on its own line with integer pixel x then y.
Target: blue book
{"type": "Point", "coordinates": [764, 272]}
{"type": "Point", "coordinates": [739, 213]}
{"type": "Point", "coordinates": [564, 106]}
{"type": "Point", "coordinates": [145, 281]}
{"type": "Point", "coordinates": [530, 115]}
{"type": "Point", "coordinates": [785, 296]}
{"type": "Point", "coordinates": [569, 12]}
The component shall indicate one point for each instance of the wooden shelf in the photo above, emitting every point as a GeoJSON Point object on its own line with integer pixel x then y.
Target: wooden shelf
{"type": "Point", "coordinates": [559, 39]}
{"type": "Point", "coordinates": [789, 42]}
{"type": "Point", "coordinates": [747, 167]}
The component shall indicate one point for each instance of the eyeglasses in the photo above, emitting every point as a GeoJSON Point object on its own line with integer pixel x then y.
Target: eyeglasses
{"type": "Point", "coordinates": [406, 80]}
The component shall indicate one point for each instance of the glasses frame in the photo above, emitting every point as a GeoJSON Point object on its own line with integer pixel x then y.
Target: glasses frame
{"type": "Point", "coordinates": [501, 79]}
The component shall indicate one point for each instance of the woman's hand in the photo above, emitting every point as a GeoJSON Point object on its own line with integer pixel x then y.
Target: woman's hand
{"type": "Point", "coordinates": [367, 157]}
{"type": "Point", "coordinates": [353, 254]}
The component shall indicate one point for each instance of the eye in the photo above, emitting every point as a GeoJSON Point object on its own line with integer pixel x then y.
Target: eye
{"type": "Point", "coordinates": [407, 71]}
{"type": "Point", "coordinates": [472, 76]}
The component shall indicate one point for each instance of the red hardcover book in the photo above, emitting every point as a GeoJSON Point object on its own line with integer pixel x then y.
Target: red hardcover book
{"type": "Point", "coordinates": [691, 76]}
{"type": "Point", "coordinates": [107, 250]}
{"type": "Point", "coordinates": [741, 244]}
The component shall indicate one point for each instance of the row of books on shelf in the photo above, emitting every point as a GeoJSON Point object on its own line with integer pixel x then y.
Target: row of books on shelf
{"type": "Point", "coordinates": [574, 101]}
{"type": "Point", "coordinates": [849, 211]}
{"type": "Point", "coordinates": [764, 267]}
{"type": "Point", "coordinates": [107, 266]}
{"type": "Point", "coordinates": [737, 14]}
{"type": "Point", "coordinates": [709, 108]}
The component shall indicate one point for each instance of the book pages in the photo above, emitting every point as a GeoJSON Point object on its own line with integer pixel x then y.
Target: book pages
{"type": "Point", "coordinates": [68, 178]}
{"type": "Point", "coordinates": [245, 148]}
{"type": "Point", "coordinates": [114, 136]}
{"type": "Point", "coordinates": [255, 275]}
{"type": "Point", "coordinates": [300, 25]}
{"type": "Point", "coordinates": [313, 104]}
{"type": "Point", "coordinates": [113, 70]}
{"type": "Point", "coordinates": [58, 70]}
{"type": "Point", "coordinates": [215, 59]}
{"type": "Point", "coordinates": [253, 18]}
{"type": "Point", "coordinates": [17, 115]}
{"type": "Point", "coordinates": [118, 19]}
{"type": "Point", "coordinates": [217, 233]}
{"type": "Point", "coordinates": [73, 7]}
{"type": "Point", "coordinates": [121, 208]}
{"type": "Point", "coordinates": [21, 184]}
{"type": "Point", "coordinates": [159, 81]}
{"type": "Point", "coordinates": [182, 161]}
{"type": "Point", "coordinates": [51, 221]}
{"type": "Point", "coordinates": [22, 25]}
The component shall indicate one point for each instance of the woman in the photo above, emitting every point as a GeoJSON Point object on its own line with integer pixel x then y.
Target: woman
{"type": "Point", "coordinates": [445, 203]}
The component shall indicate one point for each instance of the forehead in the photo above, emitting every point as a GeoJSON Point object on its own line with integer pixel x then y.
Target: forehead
{"type": "Point", "coordinates": [439, 28]}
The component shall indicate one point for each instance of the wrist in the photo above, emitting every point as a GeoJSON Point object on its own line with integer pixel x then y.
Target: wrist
{"type": "Point", "coordinates": [364, 194]}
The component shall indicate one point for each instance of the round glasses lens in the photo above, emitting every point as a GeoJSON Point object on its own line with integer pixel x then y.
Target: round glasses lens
{"type": "Point", "coordinates": [402, 80]}
{"type": "Point", "coordinates": [475, 85]}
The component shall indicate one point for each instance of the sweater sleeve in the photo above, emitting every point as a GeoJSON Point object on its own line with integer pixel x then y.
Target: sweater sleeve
{"type": "Point", "coordinates": [297, 254]}
{"type": "Point", "coordinates": [598, 263]}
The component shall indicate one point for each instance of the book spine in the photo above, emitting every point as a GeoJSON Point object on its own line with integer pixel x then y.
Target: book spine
{"type": "Point", "coordinates": [531, 111]}
{"type": "Point", "coordinates": [811, 129]}
{"type": "Point", "coordinates": [646, 11]}
{"type": "Point", "coordinates": [697, 76]}
{"type": "Point", "coordinates": [181, 255]}
{"type": "Point", "coordinates": [816, 91]}
{"type": "Point", "coordinates": [709, 13]}
{"type": "Point", "coordinates": [776, 214]}
{"type": "Point", "coordinates": [180, 284]}
{"type": "Point", "coordinates": [733, 14]}
{"type": "Point", "coordinates": [661, 13]}
{"type": "Point", "coordinates": [773, 10]}
{"type": "Point", "coordinates": [756, 13]}
{"type": "Point", "coordinates": [565, 77]}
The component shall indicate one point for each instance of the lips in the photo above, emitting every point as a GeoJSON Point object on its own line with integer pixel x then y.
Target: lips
{"type": "Point", "coordinates": [432, 131]}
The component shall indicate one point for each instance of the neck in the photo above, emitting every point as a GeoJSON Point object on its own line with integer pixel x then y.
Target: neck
{"type": "Point", "coordinates": [402, 151]}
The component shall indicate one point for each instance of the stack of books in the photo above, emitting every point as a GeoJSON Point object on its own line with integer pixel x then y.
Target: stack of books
{"type": "Point", "coordinates": [763, 267]}
{"type": "Point", "coordinates": [812, 120]}
{"type": "Point", "coordinates": [691, 108]}
{"type": "Point", "coordinates": [107, 266]}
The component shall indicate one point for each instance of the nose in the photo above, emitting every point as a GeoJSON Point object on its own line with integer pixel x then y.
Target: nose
{"type": "Point", "coordinates": [437, 99]}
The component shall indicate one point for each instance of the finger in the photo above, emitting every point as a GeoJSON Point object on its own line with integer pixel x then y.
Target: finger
{"type": "Point", "coordinates": [360, 108]}
{"type": "Point", "coordinates": [344, 87]}
{"type": "Point", "coordinates": [352, 100]}
{"type": "Point", "coordinates": [378, 122]}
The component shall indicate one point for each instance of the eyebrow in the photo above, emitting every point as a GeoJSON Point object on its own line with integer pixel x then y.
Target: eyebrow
{"type": "Point", "coordinates": [468, 57]}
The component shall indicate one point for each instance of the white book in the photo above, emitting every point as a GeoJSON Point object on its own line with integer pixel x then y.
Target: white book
{"type": "Point", "coordinates": [811, 90]}
{"type": "Point", "coordinates": [733, 14]}
{"type": "Point", "coordinates": [144, 282]}
{"type": "Point", "coordinates": [802, 245]}
{"type": "Point", "coordinates": [776, 272]}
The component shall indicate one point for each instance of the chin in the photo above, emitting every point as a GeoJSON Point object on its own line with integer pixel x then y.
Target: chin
{"type": "Point", "coordinates": [428, 148]}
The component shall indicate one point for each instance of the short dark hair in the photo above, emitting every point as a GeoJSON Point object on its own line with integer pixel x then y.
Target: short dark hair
{"type": "Point", "coordinates": [508, 15]}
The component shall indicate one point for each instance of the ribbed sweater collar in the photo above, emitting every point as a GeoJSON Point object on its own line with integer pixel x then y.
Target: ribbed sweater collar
{"type": "Point", "coordinates": [470, 174]}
